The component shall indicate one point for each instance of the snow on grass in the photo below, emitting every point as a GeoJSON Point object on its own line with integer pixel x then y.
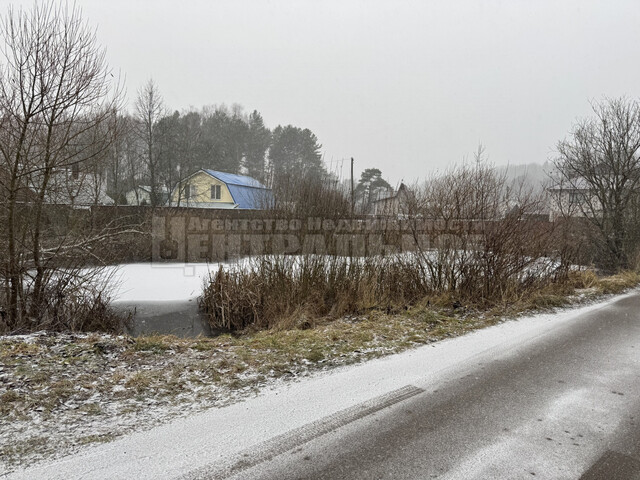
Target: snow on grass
{"type": "Point", "coordinates": [62, 391]}
{"type": "Point", "coordinates": [186, 443]}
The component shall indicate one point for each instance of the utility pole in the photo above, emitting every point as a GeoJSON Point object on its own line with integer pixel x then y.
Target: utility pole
{"type": "Point", "coordinates": [352, 200]}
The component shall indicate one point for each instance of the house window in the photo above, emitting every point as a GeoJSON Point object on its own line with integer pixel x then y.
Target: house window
{"type": "Point", "coordinates": [576, 198]}
{"type": "Point", "coordinates": [187, 191]}
{"type": "Point", "coordinates": [215, 192]}
{"type": "Point", "coordinates": [75, 171]}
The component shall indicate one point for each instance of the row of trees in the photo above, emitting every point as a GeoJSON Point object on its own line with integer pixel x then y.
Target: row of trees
{"type": "Point", "coordinates": [61, 121]}
{"type": "Point", "coordinates": [159, 149]}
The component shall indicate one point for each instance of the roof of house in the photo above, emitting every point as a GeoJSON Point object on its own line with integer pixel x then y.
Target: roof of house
{"type": "Point", "coordinates": [233, 179]}
{"type": "Point", "coordinates": [395, 194]}
{"type": "Point", "coordinates": [247, 192]}
{"type": "Point", "coordinates": [159, 188]}
{"type": "Point", "coordinates": [571, 185]}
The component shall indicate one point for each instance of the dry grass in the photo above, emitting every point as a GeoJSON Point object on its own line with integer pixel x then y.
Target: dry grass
{"type": "Point", "coordinates": [281, 293]}
{"type": "Point", "coordinates": [74, 300]}
{"type": "Point", "coordinates": [75, 389]}
{"type": "Point", "coordinates": [618, 283]}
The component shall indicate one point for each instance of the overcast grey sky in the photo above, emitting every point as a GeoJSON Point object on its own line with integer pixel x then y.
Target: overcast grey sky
{"type": "Point", "coordinates": [406, 86]}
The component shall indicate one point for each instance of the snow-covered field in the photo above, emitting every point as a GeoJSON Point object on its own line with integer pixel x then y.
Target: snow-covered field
{"type": "Point", "coordinates": [162, 282]}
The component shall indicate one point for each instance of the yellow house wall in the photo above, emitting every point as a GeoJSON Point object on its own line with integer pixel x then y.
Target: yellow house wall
{"type": "Point", "coordinates": [202, 183]}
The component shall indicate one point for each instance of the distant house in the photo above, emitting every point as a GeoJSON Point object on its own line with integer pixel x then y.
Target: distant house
{"type": "Point", "coordinates": [141, 195]}
{"type": "Point", "coordinates": [571, 199]}
{"type": "Point", "coordinates": [69, 185]}
{"type": "Point", "coordinates": [213, 189]}
{"type": "Point", "coordinates": [24, 194]}
{"type": "Point", "coordinates": [75, 186]}
{"type": "Point", "coordinates": [397, 203]}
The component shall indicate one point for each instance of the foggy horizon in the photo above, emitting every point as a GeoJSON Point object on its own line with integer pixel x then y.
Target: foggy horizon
{"type": "Point", "coordinates": [408, 87]}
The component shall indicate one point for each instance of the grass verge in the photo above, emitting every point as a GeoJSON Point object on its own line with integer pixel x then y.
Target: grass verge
{"type": "Point", "coordinates": [59, 392]}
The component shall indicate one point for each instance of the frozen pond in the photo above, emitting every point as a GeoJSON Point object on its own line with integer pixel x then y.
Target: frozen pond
{"type": "Point", "coordinates": [162, 297]}
{"type": "Point", "coordinates": [178, 317]}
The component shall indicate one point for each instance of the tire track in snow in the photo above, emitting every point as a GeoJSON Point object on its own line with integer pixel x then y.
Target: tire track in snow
{"type": "Point", "coordinates": [280, 444]}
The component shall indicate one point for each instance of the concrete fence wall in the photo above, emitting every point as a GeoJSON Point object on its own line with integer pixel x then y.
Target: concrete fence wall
{"type": "Point", "coordinates": [179, 234]}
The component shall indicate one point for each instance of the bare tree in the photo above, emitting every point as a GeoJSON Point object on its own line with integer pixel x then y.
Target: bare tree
{"type": "Point", "coordinates": [54, 92]}
{"type": "Point", "coordinates": [149, 109]}
{"type": "Point", "coordinates": [599, 164]}
{"type": "Point", "coordinates": [129, 149]}
{"type": "Point", "coordinates": [116, 158]}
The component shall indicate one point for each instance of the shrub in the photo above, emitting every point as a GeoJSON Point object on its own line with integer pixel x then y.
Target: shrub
{"type": "Point", "coordinates": [74, 300]}
{"type": "Point", "coordinates": [277, 291]}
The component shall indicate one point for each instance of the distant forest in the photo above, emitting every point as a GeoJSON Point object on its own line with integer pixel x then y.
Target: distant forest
{"type": "Point", "coordinates": [155, 147]}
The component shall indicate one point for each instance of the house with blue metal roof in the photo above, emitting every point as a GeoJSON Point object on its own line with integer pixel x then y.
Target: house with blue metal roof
{"type": "Point", "coordinates": [212, 189]}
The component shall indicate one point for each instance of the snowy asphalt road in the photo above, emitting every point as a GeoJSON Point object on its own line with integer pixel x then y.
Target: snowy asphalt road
{"type": "Point", "coordinates": [566, 406]}
{"type": "Point", "coordinates": [554, 396]}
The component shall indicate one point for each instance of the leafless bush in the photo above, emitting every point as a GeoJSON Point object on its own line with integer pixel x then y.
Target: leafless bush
{"type": "Point", "coordinates": [311, 196]}
{"type": "Point", "coordinates": [58, 99]}
{"type": "Point", "coordinates": [277, 290]}
{"type": "Point", "coordinates": [598, 175]}
{"type": "Point", "coordinates": [74, 299]}
{"type": "Point", "coordinates": [489, 243]}
{"type": "Point", "coordinates": [490, 237]}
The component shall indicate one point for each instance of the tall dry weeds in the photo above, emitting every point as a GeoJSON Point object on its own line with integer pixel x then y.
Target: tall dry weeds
{"type": "Point", "coordinates": [489, 244]}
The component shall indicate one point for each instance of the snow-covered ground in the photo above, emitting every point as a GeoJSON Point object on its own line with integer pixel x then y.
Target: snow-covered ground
{"type": "Point", "coordinates": [186, 444]}
{"type": "Point", "coordinates": [161, 282]}
{"type": "Point", "coordinates": [148, 282]}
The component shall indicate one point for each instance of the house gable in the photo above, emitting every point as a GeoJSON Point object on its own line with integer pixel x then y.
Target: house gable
{"type": "Point", "coordinates": [196, 190]}
{"type": "Point", "coordinates": [213, 189]}
{"type": "Point", "coordinates": [247, 192]}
